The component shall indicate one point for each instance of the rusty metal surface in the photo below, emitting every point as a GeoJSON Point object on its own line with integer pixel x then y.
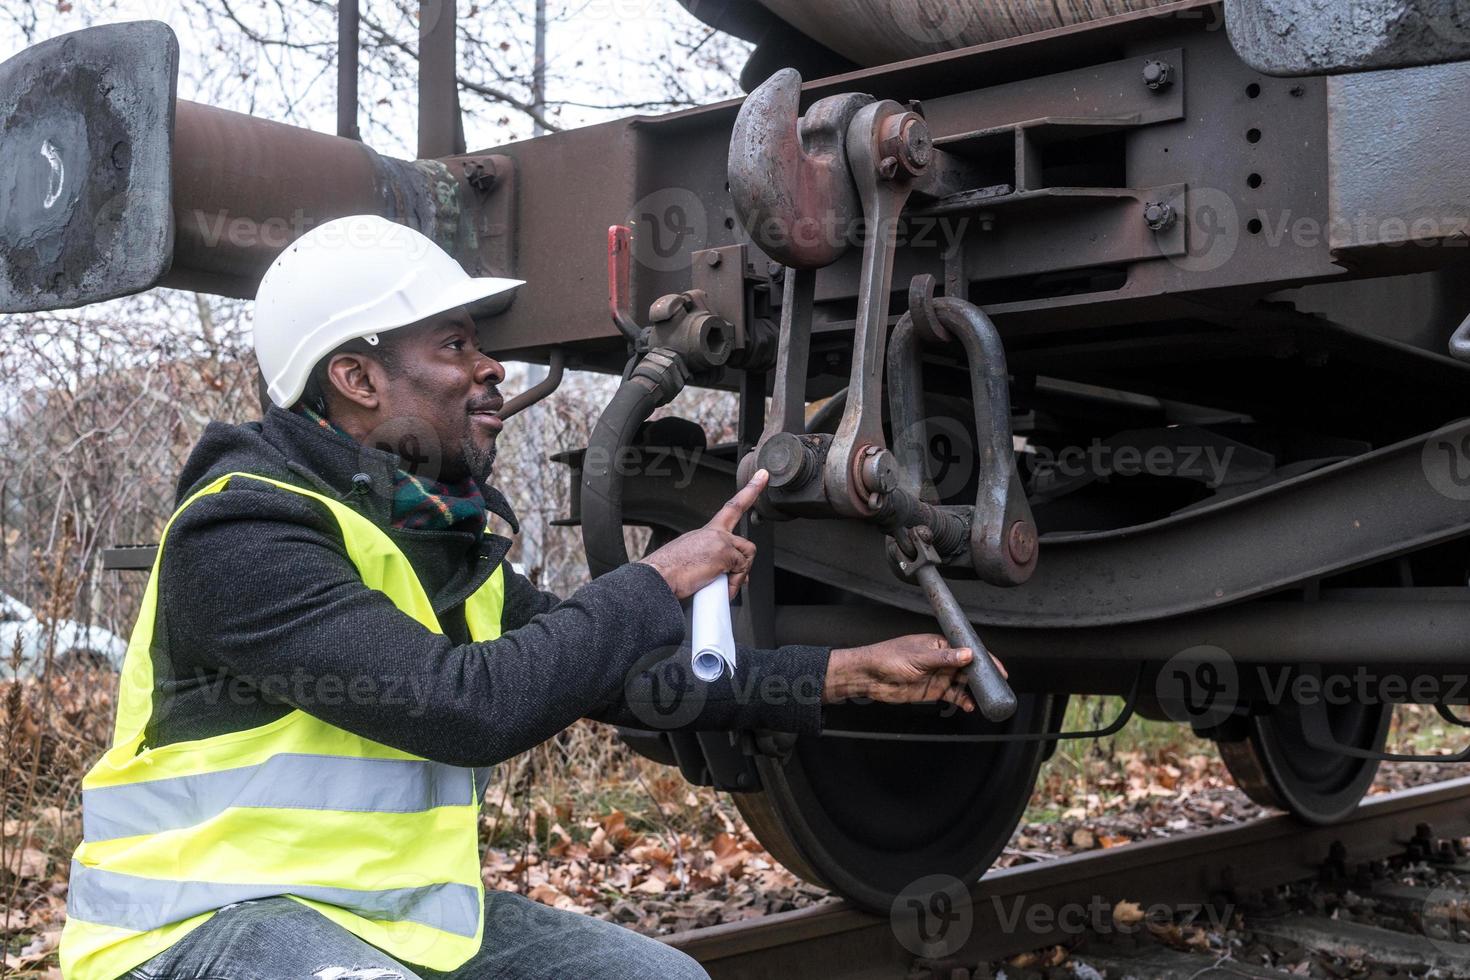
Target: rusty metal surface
{"type": "Point", "coordinates": [1243, 171]}
{"type": "Point", "coordinates": [1313, 37]}
{"type": "Point", "coordinates": [838, 941]}
{"type": "Point", "coordinates": [1002, 536]}
{"type": "Point", "coordinates": [245, 187]}
{"type": "Point", "coordinates": [789, 181]}
{"type": "Point", "coordinates": [877, 32]}
{"type": "Point", "coordinates": [112, 186]}
{"type": "Point", "coordinates": [1069, 95]}
{"type": "Point", "coordinates": [862, 418]}
{"type": "Point", "coordinates": [665, 178]}
{"type": "Point", "coordinates": [86, 121]}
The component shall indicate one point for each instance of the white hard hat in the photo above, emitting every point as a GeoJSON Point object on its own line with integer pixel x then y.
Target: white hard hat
{"type": "Point", "coordinates": [351, 278]}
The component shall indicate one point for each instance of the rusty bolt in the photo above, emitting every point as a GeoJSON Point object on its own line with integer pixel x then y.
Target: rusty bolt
{"type": "Point", "coordinates": [712, 259]}
{"type": "Point", "coordinates": [788, 460]}
{"type": "Point", "coordinates": [479, 176]}
{"type": "Point", "coordinates": [1158, 75]}
{"type": "Point", "coordinates": [1021, 541]}
{"type": "Point", "coordinates": [879, 470]}
{"type": "Point", "coordinates": [915, 148]}
{"type": "Point", "coordinates": [905, 140]}
{"type": "Point", "coordinates": [1159, 215]}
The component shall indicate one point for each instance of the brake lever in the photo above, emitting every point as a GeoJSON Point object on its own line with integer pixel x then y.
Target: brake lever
{"type": "Point", "coordinates": [883, 172]}
{"type": "Point", "coordinates": [993, 696]}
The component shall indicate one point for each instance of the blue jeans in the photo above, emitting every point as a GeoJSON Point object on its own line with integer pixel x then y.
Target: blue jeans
{"type": "Point", "coordinates": [280, 939]}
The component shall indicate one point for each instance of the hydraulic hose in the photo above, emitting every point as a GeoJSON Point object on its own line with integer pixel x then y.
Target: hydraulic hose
{"type": "Point", "coordinates": [657, 379]}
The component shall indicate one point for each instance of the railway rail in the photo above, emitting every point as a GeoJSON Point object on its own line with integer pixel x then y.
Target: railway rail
{"type": "Point", "coordinates": [1231, 868]}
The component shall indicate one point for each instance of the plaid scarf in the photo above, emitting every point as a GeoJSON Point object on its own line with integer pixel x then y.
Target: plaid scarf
{"type": "Point", "coordinates": [424, 504]}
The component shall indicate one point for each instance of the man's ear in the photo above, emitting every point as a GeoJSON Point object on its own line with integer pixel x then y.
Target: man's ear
{"type": "Point", "coordinates": [357, 378]}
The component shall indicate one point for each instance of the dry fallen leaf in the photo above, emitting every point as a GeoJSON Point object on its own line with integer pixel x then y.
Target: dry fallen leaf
{"type": "Point", "coordinates": [651, 854]}
{"type": "Point", "coordinates": [40, 947]}
{"type": "Point", "coordinates": [616, 826]}
{"type": "Point", "coordinates": [560, 840]}
{"type": "Point", "coordinates": [1039, 959]}
{"type": "Point", "coordinates": [27, 862]}
{"type": "Point", "coordinates": [598, 845]}
{"type": "Point", "coordinates": [1127, 913]}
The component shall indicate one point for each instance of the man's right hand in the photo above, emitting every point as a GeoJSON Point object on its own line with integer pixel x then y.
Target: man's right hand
{"type": "Point", "coordinates": [691, 561]}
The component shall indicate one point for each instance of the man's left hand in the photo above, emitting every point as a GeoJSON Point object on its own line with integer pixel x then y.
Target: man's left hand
{"type": "Point", "coordinates": [905, 670]}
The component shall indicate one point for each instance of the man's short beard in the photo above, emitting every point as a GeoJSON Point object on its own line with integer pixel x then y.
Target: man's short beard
{"type": "Point", "coordinates": [478, 462]}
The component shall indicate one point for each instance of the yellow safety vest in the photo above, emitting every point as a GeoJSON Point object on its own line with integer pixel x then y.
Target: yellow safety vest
{"type": "Point", "coordinates": [382, 842]}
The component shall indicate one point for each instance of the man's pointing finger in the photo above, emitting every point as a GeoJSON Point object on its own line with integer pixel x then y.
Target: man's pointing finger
{"type": "Point", "coordinates": [735, 508]}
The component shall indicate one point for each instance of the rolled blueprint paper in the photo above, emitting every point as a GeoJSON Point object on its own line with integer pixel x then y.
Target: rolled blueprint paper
{"type": "Point", "coordinates": [712, 640]}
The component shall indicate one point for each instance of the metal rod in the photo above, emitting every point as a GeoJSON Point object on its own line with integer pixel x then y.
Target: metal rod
{"type": "Point", "coordinates": [788, 396]}
{"type": "Point", "coordinates": [347, 70]}
{"type": "Point", "coordinates": [1405, 634]}
{"type": "Point", "coordinates": [245, 187]}
{"type": "Point", "coordinates": [992, 695]}
{"type": "Point", "coordinates": [556, 362]}
{"type": "Point", "coordinates": [438, 81]}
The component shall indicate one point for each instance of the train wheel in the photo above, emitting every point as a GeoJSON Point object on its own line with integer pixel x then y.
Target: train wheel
{"type": "Point", "coordinates": [868, 818]}
{"type": "Point", "coordinates": [1276, 766]}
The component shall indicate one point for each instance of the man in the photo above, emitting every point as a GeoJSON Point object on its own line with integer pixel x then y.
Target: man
{"type": "Point", "coordinates": [332, 651]}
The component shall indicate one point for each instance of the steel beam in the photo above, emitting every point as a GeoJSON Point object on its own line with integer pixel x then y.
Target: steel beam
{"type": "Point", "coordinates": [1389, 502]}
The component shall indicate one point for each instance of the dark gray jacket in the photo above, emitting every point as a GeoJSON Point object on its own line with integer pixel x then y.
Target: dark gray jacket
{"type": "Point", "coordinates": [261, 611]}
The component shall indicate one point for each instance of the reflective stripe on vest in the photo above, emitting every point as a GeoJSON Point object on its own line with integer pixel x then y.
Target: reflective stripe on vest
{"type": "Point", "coordinates": [378, 840]}
{"type": "Point", "coordinates": [142, 904]}
{"type": "Point", "coordinates": [286, 780]}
